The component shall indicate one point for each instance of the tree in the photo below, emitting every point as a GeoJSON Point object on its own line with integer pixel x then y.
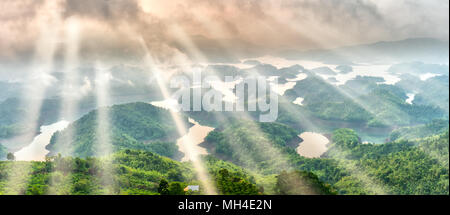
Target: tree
{"type": "Point", "coordinates": [175, 175]}
{"type": "Point", "coordinates": [163, 188]}
{"type": "Point", "coordinates": [10, 157]}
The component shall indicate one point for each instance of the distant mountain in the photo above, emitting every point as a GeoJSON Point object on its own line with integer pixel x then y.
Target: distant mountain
{"type": "Point", "coordinates": [427, 50]}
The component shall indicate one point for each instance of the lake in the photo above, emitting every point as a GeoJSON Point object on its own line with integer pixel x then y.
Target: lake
{"type": "Point", "coordinates": [36, 150]}
{"type": "Point", "coordinates": [313, 145]}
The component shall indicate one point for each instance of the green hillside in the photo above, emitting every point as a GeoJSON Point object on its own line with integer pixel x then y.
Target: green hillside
{"type": "Point", "coordinates": [349, 166]}
{"type": "Point", "coordinates": [247, 157]}
{"type": "Point", "coordinates": [361, 100]}
{"type": "Point", "coordinates": [403, 167]}
{"type": "Point", "coordinates": [3, 152]}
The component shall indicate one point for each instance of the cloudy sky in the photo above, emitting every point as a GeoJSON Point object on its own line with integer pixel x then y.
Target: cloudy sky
{"type": "Point", "coordinates": [177, 29]}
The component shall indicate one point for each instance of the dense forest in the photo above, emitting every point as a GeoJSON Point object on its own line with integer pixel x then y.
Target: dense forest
{"type": "Point", "coordinates": [246, 157]}
{"type": "Point", "coordinates": [349, 166]}
{"type": "Point", "coordinates": [362, 100]}
{"type": "Point", "coordinates": [420, 131]}
{"type": "Point", "coordinates": [3, 152]}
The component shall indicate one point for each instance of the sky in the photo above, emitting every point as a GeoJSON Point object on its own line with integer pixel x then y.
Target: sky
{"type": "Point", "coordinates": [114, 30]}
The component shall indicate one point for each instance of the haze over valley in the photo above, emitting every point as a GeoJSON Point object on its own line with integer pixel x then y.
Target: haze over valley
{"type": "Point", "coordinates": [89, 102]}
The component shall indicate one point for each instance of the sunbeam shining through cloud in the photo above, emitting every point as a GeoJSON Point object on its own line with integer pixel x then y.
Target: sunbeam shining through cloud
{"type": "Point", "coordinates": [236, 97]}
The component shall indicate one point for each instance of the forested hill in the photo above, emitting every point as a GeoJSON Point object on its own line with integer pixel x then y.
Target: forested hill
{"type": "Point", "coordinates": [137, 172]}
{"type": "Point", "coordinates": [3, 152]}
{"type": "Point", "coordinates": [131, 126]}
{"type": "Point", "coordinates": [134, 172]}
{"type": "Point", "coordinates": [400, 167]}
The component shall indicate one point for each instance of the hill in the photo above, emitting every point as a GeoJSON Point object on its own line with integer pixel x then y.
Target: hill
{"type": "Point", "coordinates": [428, 50]}
{"type": "Point", "coordinates": [135, 172]}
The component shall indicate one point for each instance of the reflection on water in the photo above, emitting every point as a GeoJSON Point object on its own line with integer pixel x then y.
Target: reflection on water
{"type": "Point", "coordinates": [313, 145]}
{"type": "Point", "coordinates": [299, 101]}
{"type": "Point", "coordinates": [192, 139]}
{"type": "Point", "coordinates": [427, 76]}
{"type": "Point", "coordinates": [36, 150]}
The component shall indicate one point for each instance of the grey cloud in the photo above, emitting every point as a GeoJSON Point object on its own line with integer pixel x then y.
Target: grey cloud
{"type": "Point", "coordinates": [247, 27]}
{"type": "Point", "coordinates": [109, 10]}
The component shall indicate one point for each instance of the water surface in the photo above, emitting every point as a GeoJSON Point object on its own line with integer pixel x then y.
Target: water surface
{"type": "Point", "coordinates": [189, 143]}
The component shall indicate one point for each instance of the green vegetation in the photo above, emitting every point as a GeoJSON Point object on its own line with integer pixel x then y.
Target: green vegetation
{"type": "Point", "coordinates": [247, 157]}
{"type": "Point", "coordinates": [3, 152]}
{"type": "Point", "coordinates": [10, 116]}
{"type": "Point", "coordinates": [133, 126]}
{"type": "Point", "coordinates": [349, 166]}
{"type": "Point", "coordinates": [301, 183]}
{"type": "Point", "coordinates": [433, 91]}
{"type": "Point", "coordinates": [10, 156]}
{"type": "Point", "coordinates": [267, 149]}
{"type": "Point", "coordinates": [403, 167]}
{"type": "Point", "coordinates": [436, 147]}
{"type": "Point", "coordinates": [7, 131]}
